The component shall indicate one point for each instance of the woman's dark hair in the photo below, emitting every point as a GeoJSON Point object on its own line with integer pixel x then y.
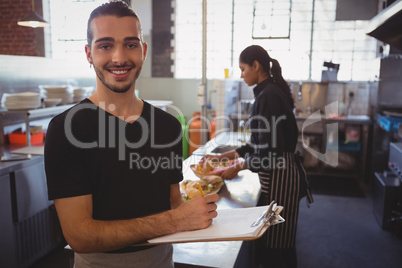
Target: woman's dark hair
{"type": "Point", "coordinates": [255, 52]}
{"type": "Point", "coordinates": [115, 8]}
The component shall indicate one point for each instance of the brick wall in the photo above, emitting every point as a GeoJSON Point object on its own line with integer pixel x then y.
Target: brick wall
{"type": "Point", "coordinates": [15, 39]}
{"type": "Point", "coordinates": [161, 38]}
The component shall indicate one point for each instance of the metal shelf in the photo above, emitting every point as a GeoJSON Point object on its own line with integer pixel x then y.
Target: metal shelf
{"type": "Point", "coordinates": [32, 114]}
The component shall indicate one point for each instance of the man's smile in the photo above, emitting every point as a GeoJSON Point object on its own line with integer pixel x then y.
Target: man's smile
{"type": "Point", "coordinates": [120, 73]}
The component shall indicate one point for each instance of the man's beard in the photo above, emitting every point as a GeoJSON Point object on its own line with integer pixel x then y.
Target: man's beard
{"type": "Point", "coordinates": [114, 88]}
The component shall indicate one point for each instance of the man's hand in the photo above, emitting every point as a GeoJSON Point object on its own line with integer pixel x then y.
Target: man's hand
{"type": "Point", "coordinates": [196, 213]}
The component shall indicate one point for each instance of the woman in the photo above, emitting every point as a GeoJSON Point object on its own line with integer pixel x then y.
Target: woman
{"type": "Point", "coordinates": [271, 152]}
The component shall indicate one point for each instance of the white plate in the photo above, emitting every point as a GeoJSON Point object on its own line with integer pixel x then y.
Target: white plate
{"type": "Point", "coordinates": [21, 107]}
{"type": "Point", "coordinates": [55, 88]}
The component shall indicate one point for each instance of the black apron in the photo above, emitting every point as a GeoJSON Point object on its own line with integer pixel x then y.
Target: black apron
{"type": "Point", "coordinates": [286, 185]}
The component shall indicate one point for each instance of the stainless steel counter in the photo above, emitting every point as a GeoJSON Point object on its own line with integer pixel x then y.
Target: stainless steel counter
{"type": "Point", "coordinates": [242, 191]}
{"type": "Point", "coordinates": [350, 119]}
{"type": "Point", "coordinates": [11, 166]}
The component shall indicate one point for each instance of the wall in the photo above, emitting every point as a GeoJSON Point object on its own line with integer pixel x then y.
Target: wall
{"type": "Point", "coordinates": [15, 39]}
{"type": "Point", "coordinates": [162, 50]}
{"type": "Point", "coordinates": [182, 92]}
{"type": "Point", "coordinates": [156, 21]}
{"type": "Point", "coordinates": [19, 74]}
{"type": "Point", "coordinates": [22, 73]}
{"type": "Point", "coordinates": [143, 8]}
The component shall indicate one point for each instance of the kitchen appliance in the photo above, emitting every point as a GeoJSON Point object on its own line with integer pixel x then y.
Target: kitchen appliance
{"type": "Point", "coordinates": [310, 97]}
{"type": "Point", "coordinates": [331, 74]}
{"type": "Point", "coordinates": [386, 103]}
{"type": "Point", "coordinates": [387, 196]}
{"type": "Point", "coordinates": [388, 94]}
{"type": "Point", "coordinates": [386, 25]}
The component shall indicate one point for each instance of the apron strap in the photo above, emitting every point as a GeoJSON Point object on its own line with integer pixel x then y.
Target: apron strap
{"type": "Point", "coordinates": [299, 162]}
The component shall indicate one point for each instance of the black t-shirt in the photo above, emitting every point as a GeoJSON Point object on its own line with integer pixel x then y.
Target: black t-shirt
{"type": "Point", "coordinates": [127, 167]}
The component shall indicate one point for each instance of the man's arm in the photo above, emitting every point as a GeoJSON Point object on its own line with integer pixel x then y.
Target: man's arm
{"type": "Point", "coordinates": [85, 235]}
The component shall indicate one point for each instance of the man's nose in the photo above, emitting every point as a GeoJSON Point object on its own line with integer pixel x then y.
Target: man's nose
{"type": "Point", "coordinates": [119, 56]}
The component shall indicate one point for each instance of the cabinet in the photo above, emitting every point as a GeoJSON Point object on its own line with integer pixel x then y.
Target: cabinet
{"type": "Point", "coordinates": [8, 247]}
{"type": "Point", "coordinates": [29, 227]}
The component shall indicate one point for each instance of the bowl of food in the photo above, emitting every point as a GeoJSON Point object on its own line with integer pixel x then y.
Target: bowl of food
{"type": "Point", "coordinates": [210, 167]}
{"type": "Point", "coordinates": [209, 185]}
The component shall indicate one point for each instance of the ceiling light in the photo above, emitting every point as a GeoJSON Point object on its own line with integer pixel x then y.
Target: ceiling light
{"type": "Point", "coordinates": [33, 19]}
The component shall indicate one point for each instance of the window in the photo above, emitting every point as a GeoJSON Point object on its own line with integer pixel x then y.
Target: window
{"type": "Point", "coordinates": [188, 35]}
{"type": "Point", "coordinates": [271, 19]}
{"type": "Point", "coordinates": [314, 37]}
{"type": "Point", "coordinates": [68, 27]}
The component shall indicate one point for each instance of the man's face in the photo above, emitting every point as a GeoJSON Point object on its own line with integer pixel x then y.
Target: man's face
{"type": "Point", "coordinates": [116, 52]}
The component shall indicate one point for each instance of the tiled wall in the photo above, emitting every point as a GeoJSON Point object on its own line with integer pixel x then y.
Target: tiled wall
{"type": "Point", "coordinates": [359, 104]}
{"type": "Point", "coordinates": [20, 74]}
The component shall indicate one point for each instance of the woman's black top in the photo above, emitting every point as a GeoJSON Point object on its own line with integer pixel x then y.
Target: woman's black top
{"type": "Point", "coordinates": [272, 125]}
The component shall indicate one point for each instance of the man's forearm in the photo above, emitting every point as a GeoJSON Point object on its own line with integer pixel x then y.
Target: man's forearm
{"type": "Point", "coordinates": [99, 236]}
{"type": "Point", "coordinates": [86, 235]}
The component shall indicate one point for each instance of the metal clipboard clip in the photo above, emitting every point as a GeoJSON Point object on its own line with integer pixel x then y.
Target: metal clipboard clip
{"type": "Point", "coordinates": [270, 217]}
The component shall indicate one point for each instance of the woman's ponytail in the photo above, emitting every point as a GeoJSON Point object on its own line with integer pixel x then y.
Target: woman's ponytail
{"type": "Point", "coordinates": [276, 73]}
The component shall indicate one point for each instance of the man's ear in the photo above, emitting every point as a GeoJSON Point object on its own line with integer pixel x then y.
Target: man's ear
{"type": "Point", "coordinates": [145, 50]}
{"type": "Point", "coordinates": [88, 53]}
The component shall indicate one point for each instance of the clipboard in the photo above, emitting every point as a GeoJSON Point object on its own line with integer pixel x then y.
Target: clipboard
{"type": "Point", "coordinates": [238, 224]}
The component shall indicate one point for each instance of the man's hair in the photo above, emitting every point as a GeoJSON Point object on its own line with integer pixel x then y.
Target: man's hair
{"type": "Point", "coordinates": [115, 8]}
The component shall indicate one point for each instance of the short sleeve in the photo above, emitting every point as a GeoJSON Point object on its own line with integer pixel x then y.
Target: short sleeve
{"type": "Point", "coordinates": [64, 164]}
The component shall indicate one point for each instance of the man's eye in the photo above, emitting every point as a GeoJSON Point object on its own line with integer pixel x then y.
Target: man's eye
{"type": "Point", "coordinates": [104, 47]}
{"type": "Point", "coordinates": [132, 45]}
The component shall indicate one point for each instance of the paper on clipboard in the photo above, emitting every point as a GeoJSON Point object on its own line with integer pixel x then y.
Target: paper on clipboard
{"type": "Point", "coordinates": [230, 224]}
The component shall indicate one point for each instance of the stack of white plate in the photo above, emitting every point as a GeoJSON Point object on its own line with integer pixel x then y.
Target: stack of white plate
{"type": "Point", "coordinates": [81, 93]}
{"type": "Point", "coordinates": [58, 92]}
{"type": "Point", "coordinates": [20, 101]}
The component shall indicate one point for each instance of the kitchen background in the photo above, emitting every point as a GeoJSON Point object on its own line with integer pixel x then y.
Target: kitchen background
{"type": "Point", "coordinates": [323, 46]}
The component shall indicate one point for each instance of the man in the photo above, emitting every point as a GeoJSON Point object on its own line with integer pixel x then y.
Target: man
{"type": "Point", "coordinates": [113, 161]}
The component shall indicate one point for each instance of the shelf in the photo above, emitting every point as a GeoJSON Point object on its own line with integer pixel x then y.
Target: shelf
{"type": "Point", "coordinates": [35, 113]}
{"type": "Point", "coordinates": [342, 146]}
{"type": "Point", "coordinates": [32, 114]}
